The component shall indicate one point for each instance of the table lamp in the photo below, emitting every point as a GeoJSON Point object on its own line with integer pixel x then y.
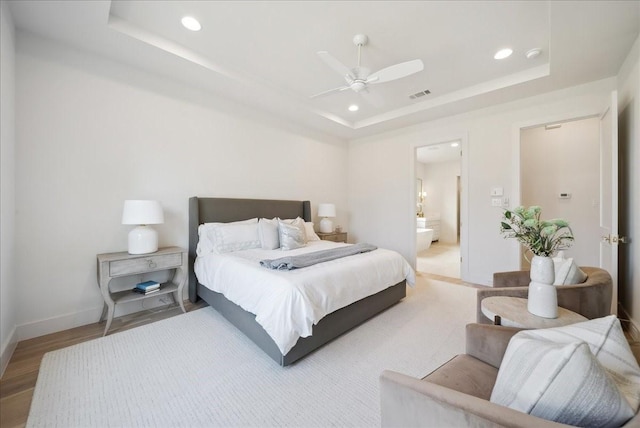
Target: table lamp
{"type": "Point", "coordinates": [325, 211]}
{"type": "Point", "coordinates": [142, 239]}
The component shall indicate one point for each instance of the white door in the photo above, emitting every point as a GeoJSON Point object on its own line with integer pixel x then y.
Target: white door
{"type": "Point", "coordinates": [609, 194]}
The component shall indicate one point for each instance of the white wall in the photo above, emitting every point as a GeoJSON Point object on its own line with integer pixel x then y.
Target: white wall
{"type": "Point", "coordinates": [441, 185]}
{"type": "Point", "coordinates": [8, 289]}
{"type": "Point", "coordinates": [92, 133]}
{"type": "Point", "coordinates": [629, 130]}
{"type": "Point", "coordinates": [382, 173]}
{"type": "Point", "coordinates": [566, 159]}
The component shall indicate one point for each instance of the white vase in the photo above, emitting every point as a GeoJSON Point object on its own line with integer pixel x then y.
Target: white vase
{"type": "Point", "coordinates": [542, 270]}
{"type": "Point", "coordinates": [543, 297]}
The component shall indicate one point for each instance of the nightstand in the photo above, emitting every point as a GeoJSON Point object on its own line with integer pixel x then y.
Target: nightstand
{"type": "Point", "coordinates": [122, 264]}
{"type": "Point", "coordinates": [333, 236]}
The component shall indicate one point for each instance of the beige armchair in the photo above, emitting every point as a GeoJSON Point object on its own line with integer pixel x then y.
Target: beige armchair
{"type": "Point", "coordinates": [457, 394]}
{"type": "Point", "coordinates": [592, 298]}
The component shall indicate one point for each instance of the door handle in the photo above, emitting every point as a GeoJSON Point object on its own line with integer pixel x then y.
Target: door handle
{"type": "Point", "coordinates": [616, 239]}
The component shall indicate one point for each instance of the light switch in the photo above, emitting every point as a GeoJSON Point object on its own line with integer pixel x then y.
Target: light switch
{"type": "Point", "coordinates": [497, 191]}
{"type": "Point", "coordinates": [496, 202]}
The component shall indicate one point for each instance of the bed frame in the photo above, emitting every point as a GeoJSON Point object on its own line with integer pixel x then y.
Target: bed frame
{"type": "Point", "coordinates": [207, 210]}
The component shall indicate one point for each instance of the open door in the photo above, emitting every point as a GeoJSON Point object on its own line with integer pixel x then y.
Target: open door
{"type": "Point", "coordinates": [609, 194]}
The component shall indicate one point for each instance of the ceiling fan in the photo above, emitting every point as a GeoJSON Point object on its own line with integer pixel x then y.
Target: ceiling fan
{"type": "Point", "coordinates": [359, 78]}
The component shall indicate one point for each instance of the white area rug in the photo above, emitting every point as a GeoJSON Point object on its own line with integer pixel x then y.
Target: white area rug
{"type": "Point", "coordinates": [196, 369]}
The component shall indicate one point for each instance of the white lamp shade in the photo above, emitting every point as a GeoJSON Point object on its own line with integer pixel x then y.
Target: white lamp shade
{"type": "Point", "coordinates": [326, 210]}
{"type": "Point", "coordinates": [142, 212]}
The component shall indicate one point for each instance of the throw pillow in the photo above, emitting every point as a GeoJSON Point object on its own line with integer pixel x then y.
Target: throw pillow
{"type": "Point", "coordinates": [567, 272]}
{"type": "Point", "coordinates": [292, 235]}
{"type": "Point", "coordinates": [559, 382]}
{"type": "Point", "coordinates": [268, 232]}
{"type": "Point", "coordinates": [524, 382]}
{"type": "Point", "coordinates": [310, 232]}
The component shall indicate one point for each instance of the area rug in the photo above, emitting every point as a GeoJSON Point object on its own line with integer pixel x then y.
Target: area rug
{"type": "Point", "coordinates": [197, 370]}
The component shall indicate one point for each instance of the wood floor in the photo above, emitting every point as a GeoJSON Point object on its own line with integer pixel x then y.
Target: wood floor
{"type": "Point", "coordinates": [19, 379]}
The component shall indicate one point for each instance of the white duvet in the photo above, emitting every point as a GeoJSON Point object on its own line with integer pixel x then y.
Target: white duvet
{"type": "Point", "coordinates": [288, 303]}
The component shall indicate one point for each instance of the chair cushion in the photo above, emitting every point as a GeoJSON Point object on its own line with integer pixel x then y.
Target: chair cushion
{"type": "Point", "coordinates": [583, 374]}
{"type": "Point", "coordinates": [467, 375]}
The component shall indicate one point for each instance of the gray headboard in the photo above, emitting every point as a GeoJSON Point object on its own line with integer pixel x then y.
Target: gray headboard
{"type": "Point", "coordinates": [225, 210]}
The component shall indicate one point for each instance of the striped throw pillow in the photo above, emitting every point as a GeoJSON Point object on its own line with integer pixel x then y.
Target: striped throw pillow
{"type": "Point", "coordinates": [583, 374]}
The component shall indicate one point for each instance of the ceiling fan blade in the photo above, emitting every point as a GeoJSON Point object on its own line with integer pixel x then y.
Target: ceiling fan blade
{"type": "Point", "coordinates": [397, 71]}
{"type": "Point", "coordinates": [342, 69]}
{"type": "Point", "coordinates": [330, 91]}
{"type": "Point", "coordinates": [372, 98]}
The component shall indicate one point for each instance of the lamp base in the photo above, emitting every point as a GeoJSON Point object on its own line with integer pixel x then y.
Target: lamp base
{"type": "Point", "coordinates": [326, 226]}
{"type": "Point", "coordinates": [143, 240]}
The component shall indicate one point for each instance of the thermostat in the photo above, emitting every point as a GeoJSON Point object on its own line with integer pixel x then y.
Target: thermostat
{"type": "Point", "coordinates": [564, 195]}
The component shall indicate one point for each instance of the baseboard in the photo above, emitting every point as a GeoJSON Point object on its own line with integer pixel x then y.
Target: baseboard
{"type": "Point", "coordinates": [7, 351]}
{"type": "Point", "coordinates": [56, 324]}
{"type": "Point", "coordinates": [84, 317]}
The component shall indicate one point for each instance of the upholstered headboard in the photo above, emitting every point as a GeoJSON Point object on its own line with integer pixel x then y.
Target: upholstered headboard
{"type": "Point", "coordinates": [225, 210]}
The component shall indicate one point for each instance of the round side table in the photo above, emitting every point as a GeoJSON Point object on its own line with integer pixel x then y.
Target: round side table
{"type": "Point", "coordinates": [512, 312]}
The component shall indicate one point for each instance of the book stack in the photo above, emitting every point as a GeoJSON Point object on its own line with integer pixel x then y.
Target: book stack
{"type": "Point", "coordinates": [147, 287]}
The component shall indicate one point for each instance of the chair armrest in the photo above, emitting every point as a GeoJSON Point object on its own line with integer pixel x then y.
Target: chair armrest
{"type": "Point", "coordinates": [485, 292]}
{"type": "Point", "coordinates": [410, 402]}
{"type": "Point", "coordinates": [488, 343]}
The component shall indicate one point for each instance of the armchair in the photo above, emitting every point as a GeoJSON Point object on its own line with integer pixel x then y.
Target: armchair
{"type": "Point", "coordinates": [592, 298]}
{"type": "Point", "coordinates": [457, 394]}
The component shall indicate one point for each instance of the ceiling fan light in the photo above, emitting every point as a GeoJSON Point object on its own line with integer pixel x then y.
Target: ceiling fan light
{"type": "Point", "coordinates": [190, 23]}
{"type": "Point", "coordinates": [503, 53]}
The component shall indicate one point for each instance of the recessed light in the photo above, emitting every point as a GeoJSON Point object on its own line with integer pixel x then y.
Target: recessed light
{"type": "Point", "coordinates": [532, 53]}
{"type": "Point", "coordinates": [455, 144]}
{"type": "Point", "coordinates": [190, 23]}
{"type": "Point", "coordinates": [503, 53]}
{"type": "Point", "coordinates": [353, 107]}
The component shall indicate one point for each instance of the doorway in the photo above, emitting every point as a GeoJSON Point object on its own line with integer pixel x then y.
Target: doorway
{"type": "Point", "coordinates": [607, 196]}
{"type": "Point", "coordinates": [438, 172]}
{"type": "Point", "coordinates": [560, 172]}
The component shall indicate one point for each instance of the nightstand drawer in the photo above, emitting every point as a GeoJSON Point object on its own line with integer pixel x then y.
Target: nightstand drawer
{"type": "Point", "coordinates": [145, 264]}
{"type": "Point", "coordinates": [334, 236]}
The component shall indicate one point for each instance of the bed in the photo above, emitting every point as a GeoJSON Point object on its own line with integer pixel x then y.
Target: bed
{"type": "Point", "coordinates": [227, 210]}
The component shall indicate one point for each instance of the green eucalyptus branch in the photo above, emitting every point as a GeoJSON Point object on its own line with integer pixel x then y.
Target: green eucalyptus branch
{"type": "Point", "coordinates": [541, 237]}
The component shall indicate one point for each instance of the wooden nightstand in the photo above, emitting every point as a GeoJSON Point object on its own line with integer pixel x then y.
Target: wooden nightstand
{"type": "Point", "coordinates": [334, 236]}
{"type": "Point", "coordinates": [115, 265]}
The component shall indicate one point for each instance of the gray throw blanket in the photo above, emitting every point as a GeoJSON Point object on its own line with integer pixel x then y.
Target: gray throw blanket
{"type": "Point", "coordinates": [309, 259]}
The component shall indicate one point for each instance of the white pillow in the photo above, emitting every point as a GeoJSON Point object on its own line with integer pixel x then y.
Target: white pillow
{"type": "Point", "coordinates": [206, 235]}
{"type": "Point", "coordinates": [292, 235]}
{"type": "Point", "coordinates": [236, 237]}
{"type": "Point", "coordinates": [548, 374]}
{"type": "Point", "coordinates": [310, 232]}
{"type": "Point", "coordinates": [567, 272]}
{"type": "Point", "coordinates": [268, 233]}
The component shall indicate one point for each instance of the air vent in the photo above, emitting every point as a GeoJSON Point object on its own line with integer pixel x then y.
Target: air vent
{"type": "Point", "coordinates": [420, 94]}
